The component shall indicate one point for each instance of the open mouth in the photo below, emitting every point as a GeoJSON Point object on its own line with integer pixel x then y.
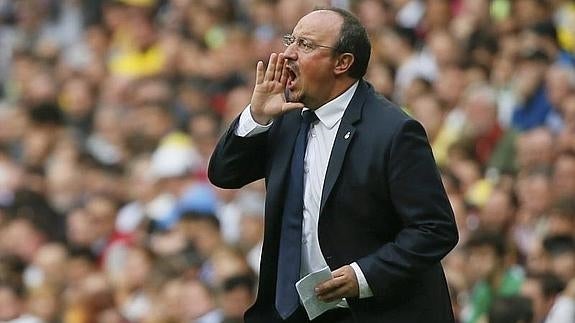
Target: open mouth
{"type": "Point", "coordinates": [292, 77]}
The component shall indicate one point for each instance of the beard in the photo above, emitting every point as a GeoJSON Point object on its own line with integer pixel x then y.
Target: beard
{"type": "Point", "coordinates": [294, 96]}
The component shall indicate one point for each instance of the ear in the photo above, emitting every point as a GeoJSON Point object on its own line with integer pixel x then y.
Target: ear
{"type": "Point", "coordinates": [343, 63]}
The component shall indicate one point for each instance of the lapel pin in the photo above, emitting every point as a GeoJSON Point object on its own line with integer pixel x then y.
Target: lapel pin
{"type": "Point", "coordinates": [347, 135]}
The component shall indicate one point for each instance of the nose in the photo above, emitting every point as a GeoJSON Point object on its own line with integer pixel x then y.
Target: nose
{"type": "Point", "coordinates": [291, 52]}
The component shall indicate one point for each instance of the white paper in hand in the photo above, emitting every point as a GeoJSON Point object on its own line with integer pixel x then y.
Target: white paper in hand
{"type": "Point", "coordinates": [305, 288]}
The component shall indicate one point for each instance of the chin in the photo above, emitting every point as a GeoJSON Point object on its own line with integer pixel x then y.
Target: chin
{"type": "Point", "coordinates": [293, 96]}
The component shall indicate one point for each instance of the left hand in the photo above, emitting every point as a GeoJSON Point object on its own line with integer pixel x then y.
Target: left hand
{"type": "Point", "coordinates": [343, 284]}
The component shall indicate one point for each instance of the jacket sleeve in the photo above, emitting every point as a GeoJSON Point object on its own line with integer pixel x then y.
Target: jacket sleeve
{"type": "Point", "coordinates": [428, 231]}
{"type": "Point", "coordinates": [237, 161]}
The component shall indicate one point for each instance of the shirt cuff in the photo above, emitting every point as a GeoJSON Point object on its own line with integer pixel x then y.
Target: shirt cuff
{"type": "Point", "coordinates": [248, 127]}
{"type": "Point", "coordinates": [364, 290]}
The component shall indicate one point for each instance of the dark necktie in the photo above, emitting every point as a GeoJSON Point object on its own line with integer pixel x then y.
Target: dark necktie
{"type": "Point", "coordinates": [289, 260]}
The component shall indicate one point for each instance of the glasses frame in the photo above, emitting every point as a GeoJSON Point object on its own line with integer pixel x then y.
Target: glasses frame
{"type": "Point", "coordinates": [303, 44]}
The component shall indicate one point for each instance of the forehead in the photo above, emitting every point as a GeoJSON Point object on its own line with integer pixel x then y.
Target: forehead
{"type": "Point", "coordinates": [320, 24]}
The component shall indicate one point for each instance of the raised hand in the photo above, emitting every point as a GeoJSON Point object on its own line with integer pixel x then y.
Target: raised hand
{"type": "Point", "coordinates": [268, 99]}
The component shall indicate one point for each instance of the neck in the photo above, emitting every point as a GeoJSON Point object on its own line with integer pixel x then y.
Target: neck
{"type": "Point", "coordinates": [338, 88]}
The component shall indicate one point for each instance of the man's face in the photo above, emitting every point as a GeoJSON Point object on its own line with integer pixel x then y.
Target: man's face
{"type": "Point", "coordinates": [563, 265]}
{"type": "Point", "coordinates": [538, 259]}
{"type": "Point", "coordinates": [497, 211]}
{"type": "Point", "coordinates": [235, 302]}
{"type": "Point", "coordinates": [564, 175]}
{"type": "Point", "coordinates": [482, 262]}
{"type": "Point", "coordinates": [311, 73]}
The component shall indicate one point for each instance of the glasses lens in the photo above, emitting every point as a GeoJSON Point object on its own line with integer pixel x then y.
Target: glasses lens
{"type": "Point", "coordinates": [288, 39]}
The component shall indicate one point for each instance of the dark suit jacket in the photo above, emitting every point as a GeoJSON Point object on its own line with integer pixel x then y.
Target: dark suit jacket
{"type": "Point", "coordinates": [383, 206]}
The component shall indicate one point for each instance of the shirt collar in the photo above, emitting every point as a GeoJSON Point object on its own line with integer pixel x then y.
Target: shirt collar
{"type": "Point", "coordinates": [330, 113]}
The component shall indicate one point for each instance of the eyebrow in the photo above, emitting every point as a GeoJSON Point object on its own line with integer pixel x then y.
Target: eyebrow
{"type": "Point", "coordinates": [303, 37]}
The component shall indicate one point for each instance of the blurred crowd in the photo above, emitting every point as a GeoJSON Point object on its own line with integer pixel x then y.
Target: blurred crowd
{"type": "Point", "coordinates": [109, 111]}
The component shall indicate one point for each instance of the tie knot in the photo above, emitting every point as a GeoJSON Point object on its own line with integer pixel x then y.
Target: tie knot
{"type": "Point", "coordinates": [309, 116]}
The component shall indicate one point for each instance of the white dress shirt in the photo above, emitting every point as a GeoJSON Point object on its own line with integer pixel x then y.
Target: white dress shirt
{"type": "Point", "coordinates": [321, 137]}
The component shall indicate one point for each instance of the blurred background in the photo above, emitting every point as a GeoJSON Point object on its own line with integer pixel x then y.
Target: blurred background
{"type": "Point", "coordinates": [109, 111]}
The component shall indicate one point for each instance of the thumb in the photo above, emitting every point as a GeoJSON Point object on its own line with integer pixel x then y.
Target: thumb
{"type": "Point", "coordinates": [288, 106]}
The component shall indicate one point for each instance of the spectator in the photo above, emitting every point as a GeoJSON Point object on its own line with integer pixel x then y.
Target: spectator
{"type": "Point", "coordinates": [130, 283]}
{"type": "Point", "coordinates": [561, 251]}
{"type": "Point", "coordinates": [534, 106]}
{"type": "Point", "coordinates": [544, 35]}
{"type": "Point", "coordinates": [498, 213]}
{"type": "Point", "coordinates": [535, 149]}
{"type": "Point", "coordinates": [428, 110]}
{"type": "Point", "coordinates": [490, 269]}
{"type": "Point", "coordinates": [491, 145]}
{"type": "Point", "coordinates": [198, 303]}
{"type": "Point", "coordinates": [559, 82]}
{"type": "Point", "coordinates": [532, 214]}
{"type": "Point", "coordinates": [236, 296]}
{"type": "Point", "coordinates": [21, 237]}
{"type": "Point", "coordinates": [564, 169]}
{"type": "Point", "coordinates": [13, 304]}
{"type": "Point", "coordinates": [544, 290]}
{"type": "Point", "coordinates": [561, 220]}
{"type": "Point", "coordinates": [405, 59]}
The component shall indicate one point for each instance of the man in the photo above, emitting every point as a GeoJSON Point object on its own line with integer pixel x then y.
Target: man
{"type": "Point", "coordinates": [492, 275]}
{"type": "Point", "coordinates": [374, 209]}
{"type": "Point", "coordinates": [550, 305]}
{"type": "Point", "coordinates": [13, 303]}
{"type": "Point", "coordinates": [236, 296]}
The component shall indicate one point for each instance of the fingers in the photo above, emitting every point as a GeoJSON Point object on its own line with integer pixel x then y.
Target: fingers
{"type": "Point", "coordinates": [334, 295]}
{"type": "Point", "coordinates": [260, 72]}
{"type": "Point", "coordinates": [270, 71]}
{"type": "Point", "coordinates": [275, 70]}
{"type": "Point", "coordinates": [279, 67]}
{"type": "Point", "coordinates": [329, 286]}
{"type": "Point", "coordinates": [284, 74]}
{"type": "Point", "coordinates": [268, 97]}
{"type": "Point", "coordinates": [343, 284]}
{"type": "Point", "coordinates": [333, 289]}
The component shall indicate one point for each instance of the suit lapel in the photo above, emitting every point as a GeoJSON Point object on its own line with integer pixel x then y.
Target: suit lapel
{"type": "Point", "coordinates": [344, 136]}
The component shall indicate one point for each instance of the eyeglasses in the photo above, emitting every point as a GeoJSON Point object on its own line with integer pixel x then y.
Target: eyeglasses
{"type": "Point", "coordinates": [304, 45]}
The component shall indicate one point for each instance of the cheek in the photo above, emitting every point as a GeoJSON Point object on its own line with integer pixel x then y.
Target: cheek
{"type": "Point", "coordinates": [315, 71]}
